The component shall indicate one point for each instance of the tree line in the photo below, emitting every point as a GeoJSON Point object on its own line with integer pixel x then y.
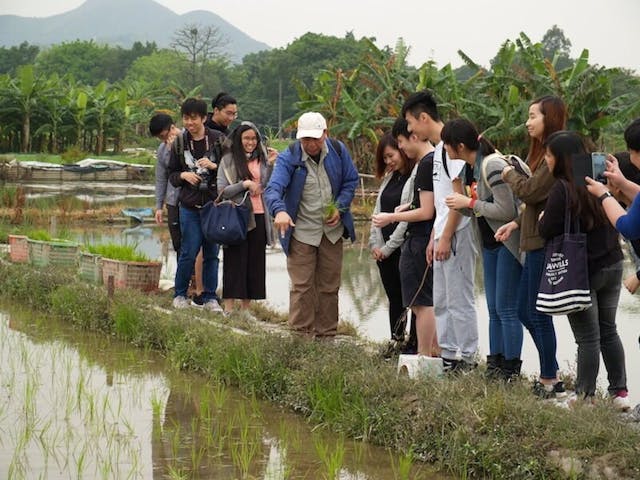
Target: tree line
{"type": "Point", "coordinates": [92, 97]}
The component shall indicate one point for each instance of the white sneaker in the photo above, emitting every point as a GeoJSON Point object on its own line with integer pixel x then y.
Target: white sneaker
{"type": "Point", "coordinates": [621, 403]}
{"type": "Point", "coordinates": [247, 316]}
{"type": "Point", "coordinates": [213, 306]}
{"type": "Point", "coordinates": [180, 302]}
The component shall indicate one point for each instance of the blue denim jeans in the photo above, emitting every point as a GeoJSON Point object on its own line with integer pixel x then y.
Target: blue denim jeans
{"type": "Point", "coordinates": [502, 273]}
{"type": "Point", "coordinates": [595, 332]}
{"type": "Point", "coordinates": [192, 240]}
{"type": "Point", "coordinates": [540, 326]}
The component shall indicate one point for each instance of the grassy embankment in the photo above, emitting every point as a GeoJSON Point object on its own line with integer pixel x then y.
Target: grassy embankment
{"type": "Point", "coordinates": [465, 425]}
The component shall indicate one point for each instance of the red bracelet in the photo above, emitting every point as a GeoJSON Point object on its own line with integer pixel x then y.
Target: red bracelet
{"type": "Point", "coordinates": [472, 203]}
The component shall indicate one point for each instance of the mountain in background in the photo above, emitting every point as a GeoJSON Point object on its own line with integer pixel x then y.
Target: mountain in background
{"type": "Point", "coordinates": [120, 22]}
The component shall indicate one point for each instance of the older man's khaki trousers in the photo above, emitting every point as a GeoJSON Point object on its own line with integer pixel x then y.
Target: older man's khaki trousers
{"type": "Point", "coordinates": [314, 273]}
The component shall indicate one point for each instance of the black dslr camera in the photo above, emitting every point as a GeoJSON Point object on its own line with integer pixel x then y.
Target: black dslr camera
{"type": "Point", "coordinates": [205, 175]}
{"type": "Point", "coordinates": [202, 172]}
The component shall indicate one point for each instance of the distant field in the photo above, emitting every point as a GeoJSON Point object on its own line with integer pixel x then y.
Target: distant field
{"type": "Point", "coordinates": [145, 157]}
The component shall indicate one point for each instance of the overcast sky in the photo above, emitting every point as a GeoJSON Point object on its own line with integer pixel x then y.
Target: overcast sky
{"type": "Point", "coordinates": [433, 29]}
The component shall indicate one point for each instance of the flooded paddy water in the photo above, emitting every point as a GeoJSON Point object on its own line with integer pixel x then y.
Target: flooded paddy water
{"type": "Point", "coordinates": [81, 405]}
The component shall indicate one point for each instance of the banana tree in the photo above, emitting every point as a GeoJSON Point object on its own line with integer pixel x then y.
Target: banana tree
{"type": "Point", "coordinates": [103, 102]}
{"type": "Point", "coordinates": [362, 103]}
{"type": "Point", "coordinates": [22, 97]}
{"type": "Point", "coordinates": [78, 100]}
{"type": "Point", "coordinates": [54, 110]}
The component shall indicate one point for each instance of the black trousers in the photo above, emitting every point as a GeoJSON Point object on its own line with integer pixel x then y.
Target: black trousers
{"type": "Point", "coordinates": [244, 265]}
{"type": "Point", "coordinates": [390, 276]}
{"type": "Point", "coordinates": [173, 220]}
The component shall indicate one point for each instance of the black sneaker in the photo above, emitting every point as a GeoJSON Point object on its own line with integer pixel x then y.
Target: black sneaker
{"type": "Point", "coordinates": [559, 390]}
{"type": "Point", "coordinates": [450, 366]}
{"type": "Point", "coordinates": [549, 391]}
{"type": "Point", "coordinates": [464, 366]}
{"type": "Point", "coordinates": [197, 301]}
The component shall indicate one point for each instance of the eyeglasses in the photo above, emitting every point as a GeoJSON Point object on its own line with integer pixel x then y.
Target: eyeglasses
{"type": "Point", "coordinates": [230, 113]}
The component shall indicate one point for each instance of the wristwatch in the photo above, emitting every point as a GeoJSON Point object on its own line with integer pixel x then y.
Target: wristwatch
{"type": "Point", "coordinates": [604, 195]}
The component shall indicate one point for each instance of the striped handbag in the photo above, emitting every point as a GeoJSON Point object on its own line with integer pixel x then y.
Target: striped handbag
{"type": "Point", "coordinates": [564, 285]}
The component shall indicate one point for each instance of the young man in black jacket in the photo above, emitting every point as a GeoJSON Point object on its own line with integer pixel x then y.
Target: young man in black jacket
{"type": "Point", "coordinates": [192, 167]}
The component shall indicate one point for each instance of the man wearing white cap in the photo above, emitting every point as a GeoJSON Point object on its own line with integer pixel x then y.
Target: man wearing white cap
{"type": "Point", "coordinates": [309, 196]}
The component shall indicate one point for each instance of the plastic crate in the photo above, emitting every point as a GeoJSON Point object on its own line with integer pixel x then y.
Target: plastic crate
{"type": "Point", "coordinates": [18, 248]}
{"type": "Point", "coordinates": [143, 276]}
{"type": "Point", "coordinates": [90, 267]}
{"type": "Point", "coordinates": [56, 253]}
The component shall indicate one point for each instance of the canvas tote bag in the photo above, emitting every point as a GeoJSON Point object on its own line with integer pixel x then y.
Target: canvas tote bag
{"type": "Point", "coordinates": [564, 285]}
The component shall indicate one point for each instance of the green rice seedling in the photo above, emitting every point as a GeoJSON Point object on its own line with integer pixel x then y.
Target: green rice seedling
{"type": "Point", "coordinates": [402, 465]}
{"type": "Point", "coordinates": [330, 209]}
{"type": "Point", "coordinates": [205, 403]}
{"type": "Point", "coordinates": [220, 395]}
{"type": "Point", "coordinates": [80, 462]}
{"type": "Point", "coordinates": [157, 404]}
{"type": "Point", "coordinates": [256, 411]}
{"type": "Point", "coordinates": [175, 440]}
{"type": "Point", "coordinates": [245, 448]}
{"type": "Point", "coordinates": [332, 460]}
{"type": "Point", "coordinates": [124, 252]}
{"type": "Point", "coordinates": [40, 235]}
{"type": "Point", "coordinates": [216, 439]}
{"type": "Point", "coordinates": [177, 473]}
{"type": "Point", "coordinates": [359, 452]}
{"type": "Point", "coordinates": [197, 454]}
{"type": "Point", "coordinates": [18, 467]}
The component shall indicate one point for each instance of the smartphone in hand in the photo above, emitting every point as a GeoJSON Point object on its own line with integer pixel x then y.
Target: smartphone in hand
{"type": "Point", "coordinates": [589, 165]}
{"type": "Point", "coordinates": [598, 166]}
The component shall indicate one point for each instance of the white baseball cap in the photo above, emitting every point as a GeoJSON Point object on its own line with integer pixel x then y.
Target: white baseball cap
{"type": "Point", "coordinates": [311, 124]}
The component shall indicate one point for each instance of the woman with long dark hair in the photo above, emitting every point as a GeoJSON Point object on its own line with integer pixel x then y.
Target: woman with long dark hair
{"type": "Point", "coordinates": [547, 115]}
{"type": "Point", "coordinates": [594, 329]}
{"type": "Point", "coordinates": [395, 169]}
{"type": "Point", "coordinates": [243, 175]}
{"type": "Point", "coordinates": [491, 206]}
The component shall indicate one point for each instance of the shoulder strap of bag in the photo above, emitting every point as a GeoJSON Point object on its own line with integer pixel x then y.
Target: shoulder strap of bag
{"type": "Point", "coordinates": [219, 199]}
{"type": "Point", "coordinates": [567, 211]}
{"type": "Point", "coordinates": [334, 143]}
{"type": "Point", "coordinates": [445, 163]}
{"type": "Point", "coordinates": [485, 163]}
{"type": "Point", "coordinates": [179, 143]}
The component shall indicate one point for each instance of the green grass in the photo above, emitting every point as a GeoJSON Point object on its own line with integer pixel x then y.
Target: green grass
{"type": "Point", "coordinates": [114, 251]}
{"type": "Point", "coordinates": [466, 426]}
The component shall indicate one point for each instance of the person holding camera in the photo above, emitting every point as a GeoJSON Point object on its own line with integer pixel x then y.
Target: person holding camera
{"type": "Point", "coordinates": [594, 329]}
{"type": "Point", "coordinates": [192, 167]}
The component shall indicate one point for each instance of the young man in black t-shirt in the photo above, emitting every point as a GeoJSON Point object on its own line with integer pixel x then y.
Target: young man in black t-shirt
{"type": "Point", "coordinates": [416, 277]}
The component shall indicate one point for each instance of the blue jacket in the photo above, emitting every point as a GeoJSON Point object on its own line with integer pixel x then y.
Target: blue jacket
{"type": "Point", "coordinates": [284, 191]}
